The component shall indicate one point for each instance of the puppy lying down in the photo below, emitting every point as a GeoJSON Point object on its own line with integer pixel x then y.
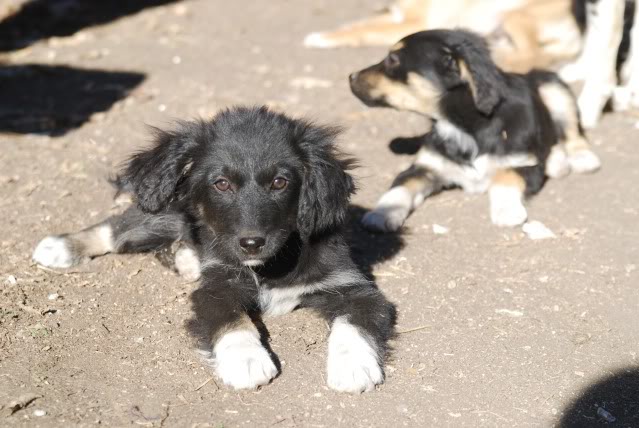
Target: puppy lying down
{"type": "Point", "coordinates": [493, 131]}
{"type": "Point", "coordinates": [255, 202]}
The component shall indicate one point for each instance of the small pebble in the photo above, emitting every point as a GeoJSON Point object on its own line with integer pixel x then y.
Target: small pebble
{"type": "Point", "coordinates": [53, 296]}
{"type": "Point", "coordinates": [39, 412]}
{"type": "Point", "coordinates": [440, 230]}
{"type": "Point", "coordinates": [11, 280]}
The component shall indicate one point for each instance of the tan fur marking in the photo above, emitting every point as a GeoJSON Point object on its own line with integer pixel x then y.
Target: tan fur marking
{"type": "Point", "coordinates": [465, 75]}
{"type": "Point", "coordinates": [509, 178]}
{"type": "Point", "coordinates": [418, 95]}
{"type": "Point", "coordinates": [397, 46]}
{"type": "Point", "coordinates": [94, 241]}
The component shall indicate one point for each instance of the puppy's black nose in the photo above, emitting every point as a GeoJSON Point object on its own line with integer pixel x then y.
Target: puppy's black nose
{"type": "Point", "coordinates": [252, 245]}
{"type": "Point", "coordinates": [352, 77]}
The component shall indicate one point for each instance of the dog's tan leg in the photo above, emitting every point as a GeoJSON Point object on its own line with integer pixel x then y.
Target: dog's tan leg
{"type": "Point", "coordinates": [409, 190]}
{"type": "Point", "coordinates": [506, 198]}
{"type": "Point", "coordinates": [401, 19]}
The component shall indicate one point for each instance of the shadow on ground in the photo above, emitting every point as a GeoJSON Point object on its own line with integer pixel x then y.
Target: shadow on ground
{"type": "Point", "coordinates": [40, 19]}
{"type": "Point", "coordinates": [369, 249]}
{"type": "Point", "coordinates": [55, 99]}
{"type": "Point", "coordinates": [612, 401]}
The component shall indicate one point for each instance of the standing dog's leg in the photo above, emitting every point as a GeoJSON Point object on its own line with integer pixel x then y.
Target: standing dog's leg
{"type": "Point", "coordinates": [627, 95]}
{"type": "Point", "coordinates": [506, 198]}
{"type": "Point", "coordinates": [132, 231]}
{"type": "Point", "coordinates": [362, 321]}
{"type": "Point", "coordinates": [597, 63]}
{"type": "Point", "coordinates": [408, 191]}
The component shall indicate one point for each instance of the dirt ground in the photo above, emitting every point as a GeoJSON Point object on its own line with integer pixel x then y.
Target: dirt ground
{"type": "Point", "coordinates": [495, 329]}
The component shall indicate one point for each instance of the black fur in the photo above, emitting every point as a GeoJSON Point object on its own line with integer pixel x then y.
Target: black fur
{"type": "Point", "coordinates": [503, 112]}
{"type": "Point", "coordinates": [176, 184]}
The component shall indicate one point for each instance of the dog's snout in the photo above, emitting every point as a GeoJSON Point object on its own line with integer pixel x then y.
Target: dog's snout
{"type": "Point", "coordinates": [353, 76]}
{"type": "Point", "coordinates": [253, 244]}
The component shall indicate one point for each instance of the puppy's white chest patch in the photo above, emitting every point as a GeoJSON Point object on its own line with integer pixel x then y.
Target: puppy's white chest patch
{"type": "Point", "coordinates": [476, 176]}
{"type": "Point", "coordinates": [280, 301]}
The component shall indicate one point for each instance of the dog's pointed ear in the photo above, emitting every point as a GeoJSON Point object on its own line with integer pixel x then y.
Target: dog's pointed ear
{"type": "Point", "coordinates": [327, 186]}
{"type": "Point", "coordinates": [153, 175]}
{"type": "Point", "coordinates": [477, 69]}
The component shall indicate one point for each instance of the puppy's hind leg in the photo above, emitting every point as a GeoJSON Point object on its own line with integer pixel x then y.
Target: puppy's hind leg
{"type": "Point", "coordinates": [573, 152]}
{"type": "Point", "coordinates": [408, 191]}
{"type": "Point", "coordinates": [132, 231]}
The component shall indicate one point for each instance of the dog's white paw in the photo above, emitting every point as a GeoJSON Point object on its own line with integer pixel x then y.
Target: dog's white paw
{"type": "Point", "coordinates": [584, 161]}
{"type": "Point", "coordinates": [187, 264]}
{"type": "Point", "coordinates": [557, 165]}
{"type": "Point", "coordinates": [388, 219]}
{"type": "Point", "coordinates": [54, 251]}
{"type": "Point", "coordinates": [353, 364]}
{"type": "Point", "coordinates": [391, 211]}
{"type": "Point", "coordinates": [506, 207]}
{"type": "Point", "coordinates": [317, 40]}
{"type": "Point", "coordinates": [242, 362]}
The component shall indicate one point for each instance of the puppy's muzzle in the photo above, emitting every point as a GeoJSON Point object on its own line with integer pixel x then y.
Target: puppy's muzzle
{"type": "Point", "coordinates": [252, 245]}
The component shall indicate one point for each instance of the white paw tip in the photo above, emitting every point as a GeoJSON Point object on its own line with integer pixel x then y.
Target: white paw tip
{"type": "Point", "coordinates": [187, 264]}
{"type": "Point", "coordinates": [584, 161]}
{"type": "Point", "coordinates": [353, 364]}
{"type": "Point", "coordinates": [242, 362]}
{"type": "Point", "coordinates": [387, 220]}
{"type": "Point", "coordinates": [53, 251]}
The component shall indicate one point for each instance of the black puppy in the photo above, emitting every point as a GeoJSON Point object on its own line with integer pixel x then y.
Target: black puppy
{"type": "Point", "coordinates": [495, 131]}
{"type": "Point", "coordinates": [257, 201]}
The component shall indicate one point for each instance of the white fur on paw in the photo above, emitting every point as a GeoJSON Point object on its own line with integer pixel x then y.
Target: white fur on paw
{"type": "Point", "coordinates": [584, 161]}
{"type": "Point", "coordinates": [391, 211]}
{"type": "Point", "coordinates": [353, 364]}
{"type": "Point", "coordinates": [572, 72]}
{"type": "Point", "coordinates": [557, 165]}
{"type": "Point", "coordinates": [242, 362]}
{"type": "Point", "coordinates": [54, 251]}
{"type": "Point", "coordinates": [187, 264]}
{"type": "Point", "coordinates": [317, 40]}
{"type": "Point", "coordinates": [506, 207]}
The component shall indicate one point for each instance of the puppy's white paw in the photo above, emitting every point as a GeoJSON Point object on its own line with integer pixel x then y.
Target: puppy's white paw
{"type": "Point", "coordinates": [388, 219]}
{"type": "Point", "coordinates": [187, 264]}
{"type": "Point", "coordinates": [391, 211]}
{"type": "Point", "coordinates": [242, 362]}
{"type": "Point", "coordinates": [557, 165]}
{"type": "Point", "coordinates": [54, 251]}
{"type": "Point", "coordinates": [584, 161]}
{"type": "Point", "coordinates": [506, 208]}
{"type": "Point", "coordinates": [317, 40]}
{"type": "Point", "coordinates": [353, 364]}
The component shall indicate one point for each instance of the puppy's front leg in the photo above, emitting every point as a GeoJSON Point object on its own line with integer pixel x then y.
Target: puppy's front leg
{"type": "Point", "coordinates": [408, 191]}
{"type": "Point", "coordinates": [362, 321]}
{"type": "Point", "coordinates": [506, 198]}
{"type": "Point", "coordinates": [221, 320]}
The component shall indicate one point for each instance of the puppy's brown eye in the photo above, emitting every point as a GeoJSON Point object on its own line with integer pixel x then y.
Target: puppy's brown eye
{"type": "Point", "coordinates": [391, 61]}
{"type": "Point", "coordinates": [279, 183]}
{"type": "Point", "coordinates": [222, 185]}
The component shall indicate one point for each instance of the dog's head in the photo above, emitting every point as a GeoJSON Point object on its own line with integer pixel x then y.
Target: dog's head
{"type": "Point", "coordinates": [254, 177]}
{"type": "Point", "coordinates": [424, 67]}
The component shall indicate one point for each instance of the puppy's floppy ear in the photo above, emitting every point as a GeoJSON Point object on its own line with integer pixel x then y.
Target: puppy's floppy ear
{"type": "Point", "coordinates": [153, 175]}
{"type": "Point", "coordinates": [477, 69]}
{"type": "Point", "coordinates": [327, 187]}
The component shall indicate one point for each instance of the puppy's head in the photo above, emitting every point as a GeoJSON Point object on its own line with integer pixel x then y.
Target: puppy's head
{"type": "Point", "coordinates": [424, 67]}
{"type": "Point", "coordinates": [252, 176]}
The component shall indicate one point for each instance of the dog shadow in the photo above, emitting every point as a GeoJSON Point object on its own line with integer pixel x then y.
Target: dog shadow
{"type": "Point", "coordinates": [40, 19]}
{"type": "Point", "coordinates": [367, 248]}
{"type": "Point", "coordinates": [613, 400]}
{"type": "Point", "coordinates": [53, 100]}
